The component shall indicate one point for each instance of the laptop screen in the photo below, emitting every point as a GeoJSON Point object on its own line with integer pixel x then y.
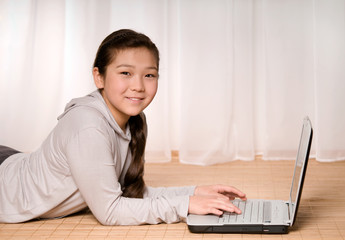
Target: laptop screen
{"type": "Point", "coordinates": [300, 168]}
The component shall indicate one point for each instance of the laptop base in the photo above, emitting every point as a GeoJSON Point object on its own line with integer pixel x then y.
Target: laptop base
{"type": "Point", "coordinates": [239, 229]}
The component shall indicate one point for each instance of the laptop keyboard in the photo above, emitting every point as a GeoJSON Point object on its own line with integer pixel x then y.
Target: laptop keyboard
{"type": "Point", "coordinates": [252, 212]}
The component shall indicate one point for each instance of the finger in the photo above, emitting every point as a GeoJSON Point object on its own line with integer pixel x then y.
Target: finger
{"type": "Point", "coordinates": [232, 209]}
{"type": "Point", "coordinates": [230, 196]}
{"type": "Point", "coordinates": [215, 207]}
{"type": "Point", "coordinates": [237, 210]}
{"type": "Point", "coordinates": [216, 211]}
{"type": "Point", "coordinates": [233, 196]}
{"type": "Point", "coordinates": [226, 206]}
{"type": "Point", "coordinates": [233, 191]}
{"type": "Point", "coordinates": [222, 196]}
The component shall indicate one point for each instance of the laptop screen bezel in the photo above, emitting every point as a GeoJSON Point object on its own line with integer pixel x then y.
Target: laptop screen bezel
{"type": "Point", "coordinates": [293, 211]}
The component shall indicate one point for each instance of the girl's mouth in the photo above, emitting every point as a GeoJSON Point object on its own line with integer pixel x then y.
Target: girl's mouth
{"type": "Point", "coordinates": [135, 99]}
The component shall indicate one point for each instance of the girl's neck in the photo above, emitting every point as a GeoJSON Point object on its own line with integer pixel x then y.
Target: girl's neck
{"type": "Point", "coordinates": [119, 118]}
{"type": "Point", "coordinates": [122, 122]}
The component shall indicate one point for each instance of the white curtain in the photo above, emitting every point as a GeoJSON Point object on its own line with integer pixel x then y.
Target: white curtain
{"type": "Point", "coordinates": [236, 79]}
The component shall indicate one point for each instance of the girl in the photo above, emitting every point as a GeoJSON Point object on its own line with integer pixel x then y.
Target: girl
{"type": "Point", "coordinates": [94, 157]}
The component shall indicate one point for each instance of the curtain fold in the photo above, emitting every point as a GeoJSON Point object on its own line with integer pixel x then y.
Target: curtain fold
{"type": "Point", "coordinates": [236, 79]}
{"type": "Point", "coordinates": [329, 77]}
{"type": "Point", "coordinates": [289, 79]}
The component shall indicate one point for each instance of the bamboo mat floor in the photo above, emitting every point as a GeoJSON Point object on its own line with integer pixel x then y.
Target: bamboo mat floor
{"type": "Point", "coordinates": [321, 213]}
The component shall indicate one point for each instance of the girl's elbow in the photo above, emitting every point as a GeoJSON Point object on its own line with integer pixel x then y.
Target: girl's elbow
{"type": "Point", "coordinates": [106, 223]}
{"type": "Point", "coordinates": [106, 220]}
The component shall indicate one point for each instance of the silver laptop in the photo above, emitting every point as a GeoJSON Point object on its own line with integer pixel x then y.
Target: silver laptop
{"type": "Point", "coordinates": [259, 215]}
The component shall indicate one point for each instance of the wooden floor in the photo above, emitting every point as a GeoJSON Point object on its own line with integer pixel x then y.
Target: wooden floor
{"type": "Point", "coordinates": [321, 214]}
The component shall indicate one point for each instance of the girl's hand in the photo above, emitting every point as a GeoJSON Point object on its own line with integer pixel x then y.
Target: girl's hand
{"type": "Point", "coordinates": [211, 204]}
{"type": "Point", "coordinates": [214, 199]}
{"type": "Point", "coordinates": [220, 190]}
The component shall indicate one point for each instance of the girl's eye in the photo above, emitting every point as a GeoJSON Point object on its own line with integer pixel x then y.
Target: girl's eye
{"type": "Point", "coordinates": [125, 73]}
{"type": "Point", "coordinates": [150, 75]}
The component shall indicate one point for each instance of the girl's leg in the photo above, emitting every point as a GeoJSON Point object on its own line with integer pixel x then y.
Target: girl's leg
{"type": "Point", "coordinates": [5, 152]}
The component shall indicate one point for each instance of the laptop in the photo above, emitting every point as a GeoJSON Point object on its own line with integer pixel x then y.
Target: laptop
{"type": "Point", "coordinates": [260, 215]}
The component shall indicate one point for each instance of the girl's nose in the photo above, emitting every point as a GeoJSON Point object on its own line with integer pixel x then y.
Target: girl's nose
{"type": "Point", "coordinates": [137, 84]}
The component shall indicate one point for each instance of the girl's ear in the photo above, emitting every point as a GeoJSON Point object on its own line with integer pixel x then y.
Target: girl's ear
{"type": "Point", "coordinates": [98, 78]}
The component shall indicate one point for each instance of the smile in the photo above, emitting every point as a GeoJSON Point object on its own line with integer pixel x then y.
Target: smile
{"type": "Point", "coordinates": [135, 99]}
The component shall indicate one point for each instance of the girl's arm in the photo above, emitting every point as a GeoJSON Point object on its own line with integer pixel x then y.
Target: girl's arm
{"type": "Point", "coordinates": [96, 175]}
{"type": "Point", "coordinates": [169, 191]}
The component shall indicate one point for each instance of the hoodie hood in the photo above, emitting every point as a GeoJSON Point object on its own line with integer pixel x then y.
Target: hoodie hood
{"type": "Point", "coordinates": [96, 101]}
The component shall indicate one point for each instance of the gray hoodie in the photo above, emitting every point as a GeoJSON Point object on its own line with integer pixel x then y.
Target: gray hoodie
{"type": "Point", "coordinates": [82, 163]}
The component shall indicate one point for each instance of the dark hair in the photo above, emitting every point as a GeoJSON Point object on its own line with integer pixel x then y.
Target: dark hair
{"type": "Point", "coordinates": [134, 184]}
{"type": "Point", "coordinates": [120, 40]}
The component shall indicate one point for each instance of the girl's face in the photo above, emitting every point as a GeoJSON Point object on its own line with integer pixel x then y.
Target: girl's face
{"type": "Point", "coordinates": [129, 83]}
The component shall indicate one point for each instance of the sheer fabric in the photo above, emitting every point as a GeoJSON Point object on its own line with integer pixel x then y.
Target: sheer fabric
{"type": "Point", "coordinates": [236, 77]}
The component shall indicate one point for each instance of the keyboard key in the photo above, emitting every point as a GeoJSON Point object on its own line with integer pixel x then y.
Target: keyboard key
{"type": "Point", "coordinates": [247, 214]}
{"type": "Point", "coordinates": [267, 212]}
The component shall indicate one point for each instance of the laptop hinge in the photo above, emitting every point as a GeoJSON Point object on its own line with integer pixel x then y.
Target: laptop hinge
{"type": "Point", "coordinates": [288, 206]}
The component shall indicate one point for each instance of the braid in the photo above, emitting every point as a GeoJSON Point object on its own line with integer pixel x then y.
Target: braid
{"type": "Point", "coordinates": [134, 185]}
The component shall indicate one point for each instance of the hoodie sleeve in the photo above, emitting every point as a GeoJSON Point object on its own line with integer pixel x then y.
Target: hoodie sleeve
{"type": "Point", "coordinates": [155, 192]}
{"type": "Point", "coordinates": [94, 171]}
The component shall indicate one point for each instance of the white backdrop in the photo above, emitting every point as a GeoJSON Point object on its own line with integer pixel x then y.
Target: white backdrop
{"type": "Point", "coordinates": [237, 77]}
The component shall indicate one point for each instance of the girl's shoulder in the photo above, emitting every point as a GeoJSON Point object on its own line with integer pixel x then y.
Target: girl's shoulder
{"type": "Point", "coordinates": [80, 119]}
{"type": "Point", "coordinates": [84, 116]}
{"type": "Point", "coordinates": [88, 111]}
